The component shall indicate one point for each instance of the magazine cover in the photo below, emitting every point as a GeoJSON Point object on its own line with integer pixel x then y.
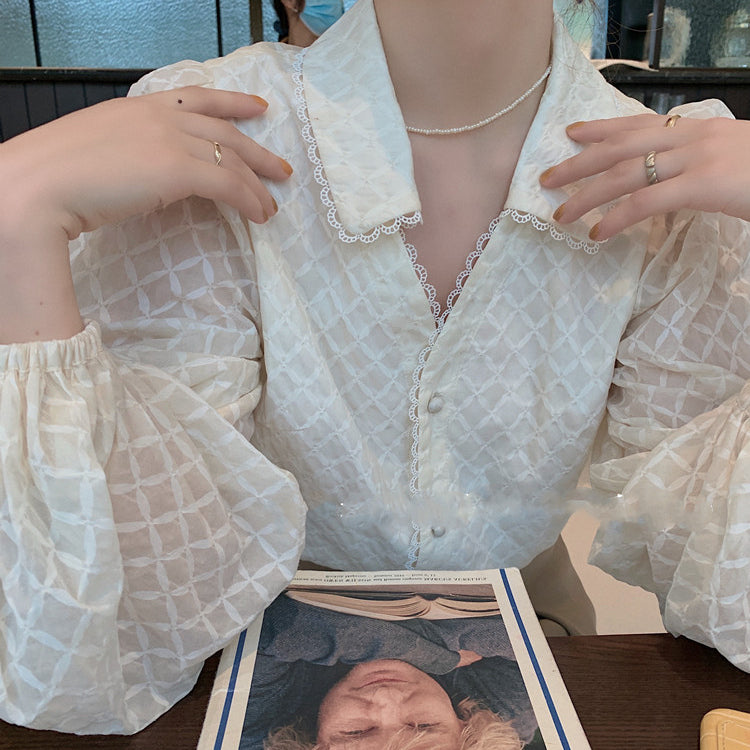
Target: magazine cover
{"type": "Point", "coordinates": [397, 659]}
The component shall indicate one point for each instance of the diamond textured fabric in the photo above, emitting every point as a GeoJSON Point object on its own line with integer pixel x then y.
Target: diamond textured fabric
{"type": "Point", "coordinates": [153, 468]}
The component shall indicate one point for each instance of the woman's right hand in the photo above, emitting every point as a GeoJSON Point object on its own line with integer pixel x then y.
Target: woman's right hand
{"type": "Point", "coordinates": [105, 163]}
{"type": "Point", "coordinates": [130, 155]}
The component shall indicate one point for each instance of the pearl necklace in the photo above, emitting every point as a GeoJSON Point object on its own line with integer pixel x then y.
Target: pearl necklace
{"type": "Point", "coordinates": [487, 120]}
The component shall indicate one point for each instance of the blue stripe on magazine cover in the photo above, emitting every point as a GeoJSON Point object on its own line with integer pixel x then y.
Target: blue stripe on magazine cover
{"type": "Point", "coordinates": [230, 691]}
{"type": "Point", "coordinates": [535, 662]}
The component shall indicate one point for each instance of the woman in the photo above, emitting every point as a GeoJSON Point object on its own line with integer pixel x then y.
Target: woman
{"type": "Point", "coordinates": [301, 23]}
{"type": "Point", "coordinates": [426, 397]}
{"type": "Point", "coordinates": [406, 709]}
{"type": "Point", "coordinates": [347, 664]}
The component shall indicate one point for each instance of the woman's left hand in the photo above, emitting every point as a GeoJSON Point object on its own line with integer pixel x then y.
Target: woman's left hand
{"type": "Point", "coordinates": [701, 164]}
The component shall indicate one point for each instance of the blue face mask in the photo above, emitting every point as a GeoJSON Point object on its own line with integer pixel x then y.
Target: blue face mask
{"type": "Point", "coordinates": [318, 15]}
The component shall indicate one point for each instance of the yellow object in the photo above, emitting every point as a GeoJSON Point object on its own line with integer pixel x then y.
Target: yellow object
{"type": "Point", "coordinates": [725, 729]}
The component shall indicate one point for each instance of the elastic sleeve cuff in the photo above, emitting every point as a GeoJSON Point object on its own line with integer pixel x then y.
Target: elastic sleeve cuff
{"type": "Point", "coordinates": [55, 354]}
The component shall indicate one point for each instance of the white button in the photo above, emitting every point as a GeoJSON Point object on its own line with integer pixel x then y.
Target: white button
{"type": "Point", "coordinates": [438, 531]}
{"type": "Point", "coordinates": [435, 404]}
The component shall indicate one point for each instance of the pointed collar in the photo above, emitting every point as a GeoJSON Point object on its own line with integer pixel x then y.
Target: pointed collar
{"type": "Point", "coordinates": [359, 145]}
{"type": "Point", "coordinates": [356, 128]}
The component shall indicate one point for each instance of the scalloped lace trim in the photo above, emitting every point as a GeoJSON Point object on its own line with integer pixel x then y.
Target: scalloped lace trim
{"type": "Point", "coordinates": [440, 319]}
{"type": "Point", "coordinates": [320, 177]}
{"type": "Point", "coordinates": [590, 247]}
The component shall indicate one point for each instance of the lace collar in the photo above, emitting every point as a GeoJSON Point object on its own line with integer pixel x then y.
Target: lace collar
{"type": "Point", "coordinates": [358, 143]}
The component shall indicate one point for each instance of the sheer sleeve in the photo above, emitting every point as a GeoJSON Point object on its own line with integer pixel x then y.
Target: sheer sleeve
{"type": "Point", "coordinates": [675, 448]}
{"type": "Point", "coordinates": [139, 529]}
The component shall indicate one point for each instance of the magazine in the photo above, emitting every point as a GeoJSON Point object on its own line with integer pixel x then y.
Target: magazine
{"type": "Point", "coordinates": [357, 661]}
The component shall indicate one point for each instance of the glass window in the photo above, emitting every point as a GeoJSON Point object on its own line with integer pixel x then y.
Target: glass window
{"type": "Point", "coordinates": [132, 34]}
{"type": "Point", "coordinates": [235, 24]}
{"type": "Point", "coordinates": [120, 33]}
{"type": "Point", "coordinates": [151, 33]}
{"type": "Point", "coordinates": [16, 37]}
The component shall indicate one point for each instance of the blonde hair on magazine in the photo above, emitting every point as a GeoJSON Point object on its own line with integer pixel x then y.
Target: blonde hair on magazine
{"type": "Point", "coordinates": [483, 730]}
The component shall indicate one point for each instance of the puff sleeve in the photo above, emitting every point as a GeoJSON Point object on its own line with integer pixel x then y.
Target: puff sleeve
{"type": "Point", "coordinates": [139, 528]}
{"type": "Point", "coordinates": [675, 447]}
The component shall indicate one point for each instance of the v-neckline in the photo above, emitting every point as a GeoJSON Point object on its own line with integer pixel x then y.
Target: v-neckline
{"type": "Point", "coordinates": [439, 314]}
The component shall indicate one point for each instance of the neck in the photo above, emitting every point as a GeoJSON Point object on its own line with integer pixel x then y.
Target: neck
{"type": "Point", "coordinates": [299, 34]}
{"type": "Point", "coordinates": [453, 62]}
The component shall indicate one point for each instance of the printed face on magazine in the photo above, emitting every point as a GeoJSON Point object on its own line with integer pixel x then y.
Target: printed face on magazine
{"type": "Point", "coordinates": [379, 699]}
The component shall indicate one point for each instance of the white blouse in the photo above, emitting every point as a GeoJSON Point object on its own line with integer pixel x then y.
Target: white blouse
{"type": "Point", "coordinates": [156, 468]}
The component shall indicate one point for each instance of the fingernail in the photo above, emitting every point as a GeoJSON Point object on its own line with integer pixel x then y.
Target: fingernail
{"type": "Point", "coordinates": [594, 233]}
{"type": "Point", "coordinates": [275, 205]}
{"type": "Point", "coordinates": [544, 175]}
{"type": "Point", "coordinates": [286, 166]}
{"type": "Point", "coordinates": [259, 100]}
{"type": "Point", "coordinates": [559, 212]}
{"type": "Point", "coordinates": [574, 125]}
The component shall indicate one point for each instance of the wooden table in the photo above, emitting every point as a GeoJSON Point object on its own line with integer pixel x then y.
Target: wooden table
{"type": "Point", "coordinates": [636, 692]}
{"type": "Point", "coordinates": [646, 692]}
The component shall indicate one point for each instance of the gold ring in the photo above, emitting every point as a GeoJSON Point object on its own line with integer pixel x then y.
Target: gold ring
{"type": "Point", "coordinates": [651, 176]}
{"type": "Point", "coordinates": [671, 121]}
{"type": "Point", "coordinates": [217, 153]}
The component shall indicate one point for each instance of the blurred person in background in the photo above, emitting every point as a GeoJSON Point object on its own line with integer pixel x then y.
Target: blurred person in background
{"type": "Point", "coordinates": [301, 22]}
